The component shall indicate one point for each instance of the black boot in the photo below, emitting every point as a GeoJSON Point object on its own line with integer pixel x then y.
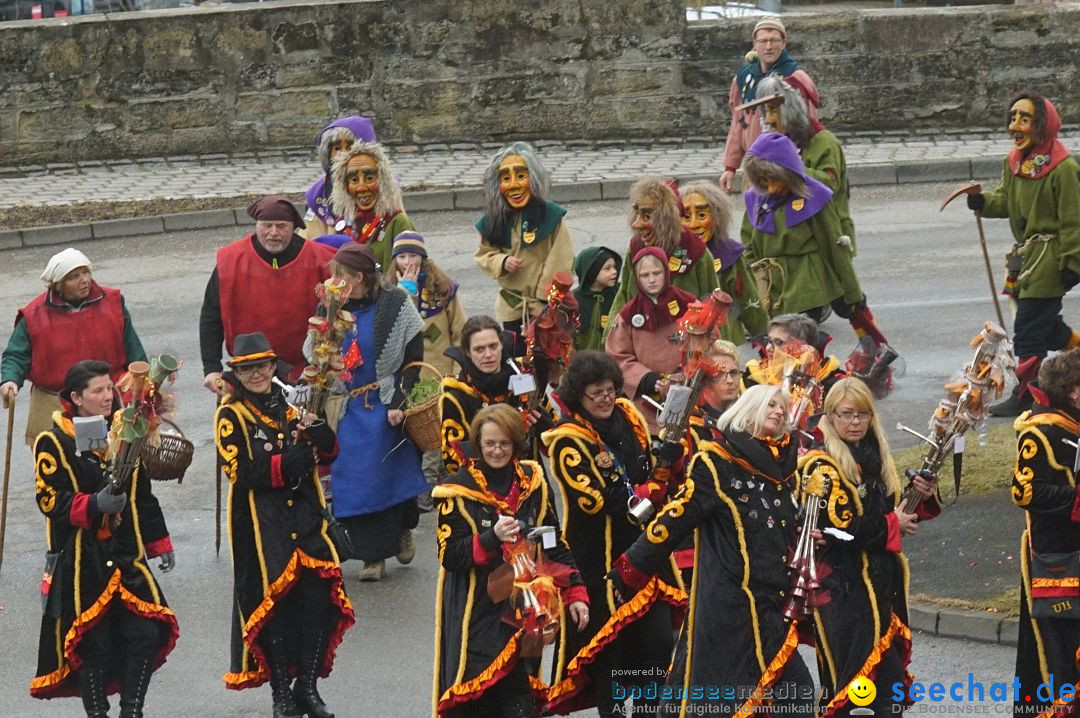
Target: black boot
{"type": "Point", "coordinates": [278, 662]}
{"type": "Point", "coordinates": [311, 663]}
{"type": "Point", "coordinates": [137, 672]}
{"type": "Point", "coordinates": [93, 687]}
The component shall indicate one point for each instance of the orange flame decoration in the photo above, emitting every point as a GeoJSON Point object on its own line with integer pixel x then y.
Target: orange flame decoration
{"type": "Point", "coordinates": [551, 333]}
{"type": "Point", "coordinates": [327, 333]}
{"type": "Point", "coordinates": [699, 327]}
{"type": "Point", "coordinates": [535, 604]}
{"type": "Point", "coordinates": [796, 365]}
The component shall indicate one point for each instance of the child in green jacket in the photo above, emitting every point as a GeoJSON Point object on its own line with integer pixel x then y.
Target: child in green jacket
{"type": "Point", "coordinates": [597, 270]}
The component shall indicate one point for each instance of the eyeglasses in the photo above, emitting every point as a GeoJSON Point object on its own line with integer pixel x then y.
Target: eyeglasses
{"type": "Point", "coordinates": [849, 416]}
{"type": "Point", "coordinates": [732, 375]}
{"type": "Point", "coordinates": [608, 395]}
{"type": "Point", "coordinates": [253, 368]}
{"type": "Point", "coordinates": [502, 446]}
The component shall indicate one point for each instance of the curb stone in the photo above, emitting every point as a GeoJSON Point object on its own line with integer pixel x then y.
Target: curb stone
{"type": "Point", "coordinates": [470, 198]}
{"type": "Point", "coordinates": [966, 624]}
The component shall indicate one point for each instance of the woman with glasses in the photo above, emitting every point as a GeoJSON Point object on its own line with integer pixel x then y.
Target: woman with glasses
{"type": "Point", "coordinates": [600, 457]}
{"type": "Point", "coordinates": [289, 607]}
{"type": "Point", "coordinates": [860, 618]}
{"type": "Point", "coordinates": [493, 500]}
{"type": "Point", "coordinates": [738, 502]}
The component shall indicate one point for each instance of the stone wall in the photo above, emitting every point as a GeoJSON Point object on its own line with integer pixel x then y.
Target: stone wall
{"type": "Point", "coordinates": [249, 76]}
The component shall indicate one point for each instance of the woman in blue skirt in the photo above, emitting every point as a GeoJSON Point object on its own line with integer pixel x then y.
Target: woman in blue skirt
{"type": "Point", "coordinates": [377, 476]}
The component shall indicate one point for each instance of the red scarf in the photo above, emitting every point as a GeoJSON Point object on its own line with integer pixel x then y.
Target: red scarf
{"type": "Point", "coordinates": [669, 305]}
{"type": "Point", "coordinates": [1038, 161]}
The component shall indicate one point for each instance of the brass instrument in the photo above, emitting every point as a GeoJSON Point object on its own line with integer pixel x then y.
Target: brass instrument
{"type": "Point", "coordinates": [800, 604]}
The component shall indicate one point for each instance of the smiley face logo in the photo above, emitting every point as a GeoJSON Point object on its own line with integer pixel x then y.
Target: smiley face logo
{"type": "Point", "coordinates": [862, 691]}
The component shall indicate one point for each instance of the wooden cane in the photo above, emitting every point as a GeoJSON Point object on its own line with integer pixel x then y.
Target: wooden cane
{"type": "Point", "coordinates": [989, 271]}
{"type": "Point", "coordinates": [9, 404]}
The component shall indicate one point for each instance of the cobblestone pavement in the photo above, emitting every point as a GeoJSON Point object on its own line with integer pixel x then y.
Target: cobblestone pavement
{"type": "Point", "coordinates": [440, 166]}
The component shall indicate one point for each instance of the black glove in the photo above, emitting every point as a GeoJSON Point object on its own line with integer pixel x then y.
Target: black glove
{"type": "Point", "coordinates": [168, 561]}
{"type": "Point", "coordinates": [669, 452]}
{"type": "Point", "coordinates": [621, 591]}
{"type": "Point", "coordinates": [1069, 278]}
{"type": "Point", "coordinates": [321, 436]}
{"type": "Point", "coordinates": [647, 385]}
{"type": "Point", "coordinates": [297, 463]}
{"type": "Point", "coordinates": [976, 202]}
{"type": "Point", "coordinates": [106, 502]}
{"type": "Point", "coordinates": [542, 424]}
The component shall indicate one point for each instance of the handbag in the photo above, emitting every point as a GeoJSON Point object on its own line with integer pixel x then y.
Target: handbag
{"type": "Point", "coordinates": [339, 535]}
{"type": "Point", "coordinates": [50, 589]}
{"type": "Point", "coordinates": [1055, 585]}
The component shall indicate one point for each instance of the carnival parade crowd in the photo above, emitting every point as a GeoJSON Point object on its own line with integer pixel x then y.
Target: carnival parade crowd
{"type": "Point", "coordinates": [619, 500]}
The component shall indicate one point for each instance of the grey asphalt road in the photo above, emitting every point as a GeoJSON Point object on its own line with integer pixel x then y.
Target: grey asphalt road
{"type": "Point", "coordinates": [922, 271]}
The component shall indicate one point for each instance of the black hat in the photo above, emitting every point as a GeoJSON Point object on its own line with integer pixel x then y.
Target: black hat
{"type": "Point", "coordinates": [251, 349]}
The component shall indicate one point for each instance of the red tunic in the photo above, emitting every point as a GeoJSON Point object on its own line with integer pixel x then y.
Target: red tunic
{"type": "Point", "coordinates": [256, 297]}
{"type": "Point", "coordinates": [59, 338]}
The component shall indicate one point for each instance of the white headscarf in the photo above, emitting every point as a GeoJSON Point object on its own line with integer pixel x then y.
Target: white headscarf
{"type": "Point", "coordinates": [61, 264]}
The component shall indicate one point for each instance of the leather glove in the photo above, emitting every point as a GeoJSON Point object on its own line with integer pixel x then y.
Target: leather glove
{"type": "Point", "coordinates": [168, 561]}
{"type": "Point", "coordinates": [297, 463]}
{"type": "Point", "coordinates": [106, 502]}
{"type": "Point", "coordinates": [976, 202]}
{"type": "Point", "coordinates": [647, 385]}
{"type": "Point", "coordinates": [620, 590]}
{"type": "Point", "coordinates": [321, 436]}
{"type": "Point", "coordinates": [1069, 278]}
{"type": "Point", "coordinates": [670, 452]}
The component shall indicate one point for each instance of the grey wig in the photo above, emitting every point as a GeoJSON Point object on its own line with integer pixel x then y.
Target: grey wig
{"type": "Point", "coordinates": [718, 202]}
{"type": "Point", "coordinates": [793, 112]}
{"type": "Point", "coordinates": [498, 210]}
{"type": "Point", "coordinates": [329, 139]}
{"type": "Point", "coordinates": [343, 204]}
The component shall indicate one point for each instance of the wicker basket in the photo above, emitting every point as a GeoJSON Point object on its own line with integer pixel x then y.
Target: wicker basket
{"type": "Point", "coordinates": [170, 458]}
{"type": "Point", "coordinates": [423, 422]}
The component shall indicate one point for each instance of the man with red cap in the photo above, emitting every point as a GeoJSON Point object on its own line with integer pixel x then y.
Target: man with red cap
{"type": "Point", "coordinates": [769, 56]}
{"type": "Point", "coordinates": [265, 283]}
{"type": "Point", "coordinates": [1038, 193]}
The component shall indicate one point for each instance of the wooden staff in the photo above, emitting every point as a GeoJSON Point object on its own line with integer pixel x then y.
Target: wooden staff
{"type": "Point", "coordinates": [976, 188]}
{"type": "Point", "coordinates": [9, 404]}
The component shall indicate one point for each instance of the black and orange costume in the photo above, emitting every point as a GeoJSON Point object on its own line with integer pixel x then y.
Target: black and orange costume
{"type": "Point", "coordinates": [738, 502]}
{"type": "Point", "coordinates": [107, 626]}
{"type": "Point", "coordinates": [289, 604]}
{"type": "Point", "coordinates": [592, 472]}
{"type": "Point", "coordinates": [466, 394]}
{"type": "Point", "coordinates": [478, 667]}
{"type": "Point", "coordinates": [861, 625]}
{"type": "Point", "coordinates": [1044, 485]}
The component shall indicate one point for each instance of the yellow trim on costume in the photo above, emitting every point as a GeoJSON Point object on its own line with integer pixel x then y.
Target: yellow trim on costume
{"type": "Point", "coordinates": [896, 628]}
{"type": "Point", "coordinates": [466, 619]}
{"type": "Point", "coordinates": [772, 672]}
{"type": "Point", "coordinates": [258, 542]}
{"type": "Point", "coordinates": [140, 558]}
{"type": "Point", "coordinates": [691, 616]}
{"type": "Point", "coordinates": [1025, 574]}
{"type": "Point", "coordinates": [439, 584]}
{"type": "Point", "coordinates": [824, 649]}
{"type": "Point", "coordinates": [654, 590]}
{"type": "Point", "coordinates": [1055, 582]}
{"type": "Point", "coordinates": [508, 653]}
{"type": "Point", "coordinates": [257, 356]}
{"type": "Point", "coordinates": [871, 593]}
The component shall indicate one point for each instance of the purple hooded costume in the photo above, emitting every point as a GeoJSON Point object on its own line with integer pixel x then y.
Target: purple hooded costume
{"type": "Point", "coordinates": [318, 195]}
{"type": "Point", "coordinates": [761, 208]}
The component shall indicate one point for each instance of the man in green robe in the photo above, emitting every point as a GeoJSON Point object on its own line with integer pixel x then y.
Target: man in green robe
{"type": "Point", "coordinates": [1039, 193]}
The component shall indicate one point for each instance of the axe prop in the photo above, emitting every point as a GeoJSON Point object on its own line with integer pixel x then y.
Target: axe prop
{"type": "Point", "coordinates": [976, 188]}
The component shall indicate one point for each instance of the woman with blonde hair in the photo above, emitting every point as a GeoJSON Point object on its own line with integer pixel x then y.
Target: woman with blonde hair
{"type": "Point", "coordinates": [860, 612]}
{"type": "Point", "coordinates": [737, 503]}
